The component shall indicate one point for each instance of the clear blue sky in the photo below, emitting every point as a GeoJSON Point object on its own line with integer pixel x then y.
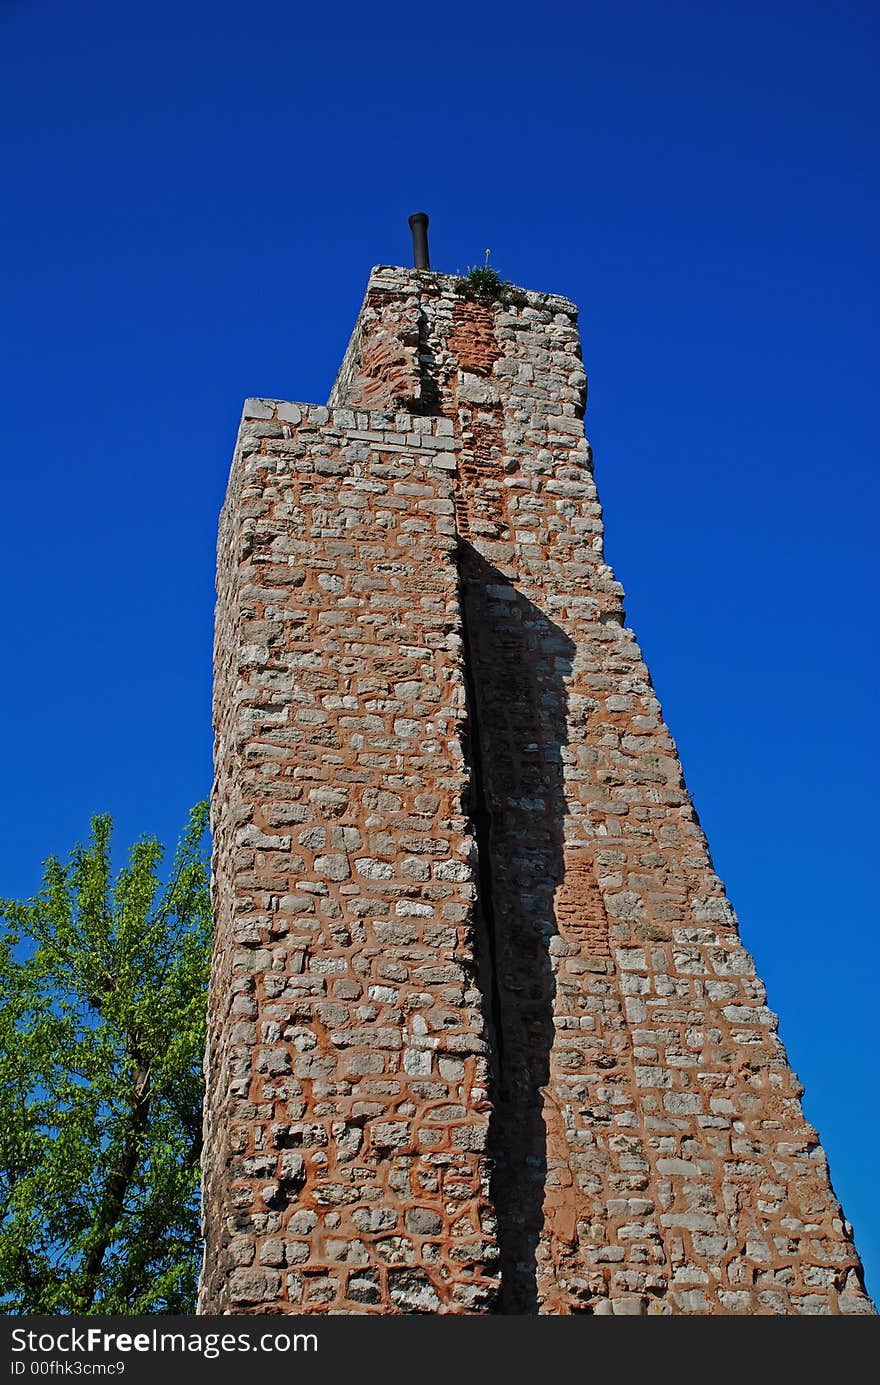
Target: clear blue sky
{"type": "Point", "coordinates": [194, 196]}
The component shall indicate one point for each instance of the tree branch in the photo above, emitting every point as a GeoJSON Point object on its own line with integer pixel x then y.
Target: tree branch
{"type": "Point", "coordinates": [117, 1186]}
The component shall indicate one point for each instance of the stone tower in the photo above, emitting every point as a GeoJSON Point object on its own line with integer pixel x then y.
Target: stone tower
{"type": "Point", "coordinates": [483, 1034]}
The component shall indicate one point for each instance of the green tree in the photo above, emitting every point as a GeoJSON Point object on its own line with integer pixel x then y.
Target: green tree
{"type": "Point", "coordinates": [102, 1029]}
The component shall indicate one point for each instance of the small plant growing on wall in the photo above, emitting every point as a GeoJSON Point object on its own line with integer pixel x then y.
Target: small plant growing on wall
{"type": "Point", "coordinates": [485, 284]}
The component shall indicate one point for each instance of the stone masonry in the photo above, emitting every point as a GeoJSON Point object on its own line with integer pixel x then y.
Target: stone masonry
{"type": "Point", "coordinates": [483, 1034]}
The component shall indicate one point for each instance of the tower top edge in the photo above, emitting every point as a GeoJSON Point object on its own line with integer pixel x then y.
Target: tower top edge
{"type": "Point", "coordinates": [404, 278]}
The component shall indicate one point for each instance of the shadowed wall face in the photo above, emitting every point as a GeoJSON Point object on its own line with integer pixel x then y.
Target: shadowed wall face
{"type": "Point", "coordinates": [483, 1034]}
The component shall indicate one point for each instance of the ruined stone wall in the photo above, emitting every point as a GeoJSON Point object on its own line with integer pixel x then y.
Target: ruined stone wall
{"type": "Point", "coordinates": [484, 1035]}
{"type": "Point", "coordinates": [347, 1107]}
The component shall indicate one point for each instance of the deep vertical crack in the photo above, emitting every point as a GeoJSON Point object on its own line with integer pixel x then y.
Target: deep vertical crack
{"type": "Point", "coordinates": [481, 817]}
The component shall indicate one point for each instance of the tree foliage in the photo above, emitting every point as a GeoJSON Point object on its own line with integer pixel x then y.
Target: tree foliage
{"type": "Point", "coordinates": [102, 1028]}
